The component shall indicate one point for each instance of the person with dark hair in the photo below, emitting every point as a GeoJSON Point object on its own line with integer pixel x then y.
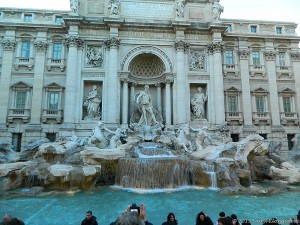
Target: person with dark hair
{"type": "Point", "coordinates": [246, 222]}
{"type": "Point", "coordinates": [224, 221]}
{"type": "Point", "coordinates": [293, 221]}
{"type": "Point", "coordinates": [203, 219]}
{"type": "Point", "coordinates": [6, 217]}
{"type": "Point", "coordinates": [12, 221]}
{"type": "Point", "coordinates": [234, 219]}
{"type": "Point", "coordinates": [90, 219]}
{"type": "Point", "coordinates": [171, 220]}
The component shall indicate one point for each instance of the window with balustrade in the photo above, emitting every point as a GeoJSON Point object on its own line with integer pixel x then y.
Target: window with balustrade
{"type": "Point", "coordinates": [55, 54]}
{"type": "Point", "coordinates": [229, 59]}
{"type": "Point", "coordinates": [260, 107]}
{"type": "Point", "coordinates": [25, 49]}
{"type": "Point", "coordinates": [256, 58]}
{"type": "Point", "coordinates": [57, 51]}
{"type": "Point", "coordinates": [288, 112]}
{"type": "Point", "coordinates": [232, 101]}
{"type": "Point", "coordinates": [20, 102]}
{"type": "Point", "coordinates": [53, 107]}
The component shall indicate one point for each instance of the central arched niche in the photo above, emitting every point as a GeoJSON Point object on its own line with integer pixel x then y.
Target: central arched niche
{"type": "Point", "coordinates": [146, 66]}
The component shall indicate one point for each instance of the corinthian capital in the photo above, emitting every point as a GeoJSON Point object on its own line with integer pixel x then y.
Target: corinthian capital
{"type": "Point", "coordinates": [112, 42]}
{"type": "Point", "coordinates": [8, 44]}
{"type": "Point", "coordinates": [270, 55]}
{"type": "Point", "coordinates": [181, 46]}
{"type": "Point", "coordinates": [41, 45]}
{"type": "Point", "coordinates": [215, 47]}
{"type": "Point", "coordinates": [74, 41]}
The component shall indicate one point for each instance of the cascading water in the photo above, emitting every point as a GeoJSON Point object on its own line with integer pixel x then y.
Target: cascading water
{"type": "Point", "coordinates": [158, 168]}
{"type": "Point", "coordinates": [210, 170]}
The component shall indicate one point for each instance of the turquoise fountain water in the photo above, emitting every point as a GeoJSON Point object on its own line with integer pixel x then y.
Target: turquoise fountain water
{"type": "Point", "coordinates": [108, 202]}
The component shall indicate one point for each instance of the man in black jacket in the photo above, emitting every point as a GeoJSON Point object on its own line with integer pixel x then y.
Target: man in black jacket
{"type": "Point", "coordinates": [90, 219]}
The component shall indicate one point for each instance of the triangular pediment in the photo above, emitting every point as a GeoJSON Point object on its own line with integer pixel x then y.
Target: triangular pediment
{"type": "Point", "coordinates": [21, 85]}
{"type": "Point", "coordinates": [54, 86]}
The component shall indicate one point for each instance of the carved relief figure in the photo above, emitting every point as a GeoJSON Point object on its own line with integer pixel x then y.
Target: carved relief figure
{"type": "Point", "coordinates": [74, 5]}
{"type": "Point", "coordinates": [217, 10]}
{"type": "Point", "coordinates": [94, 57]}
{"type": "Point", "coordinates": [197, 60]}
{"type": "Point", "coordinates": [179, 8]}
{"type": "Point", "coordinates": [144, 102]}
{"type": "Point", "coordinates": [92, 104]}
{"type": "Point", "coordinates": [198, 103]}
{"type": "Point", "coordinates": [114, 7]}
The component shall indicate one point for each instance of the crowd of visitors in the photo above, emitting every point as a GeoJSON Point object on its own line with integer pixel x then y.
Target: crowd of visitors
{"type": "Point", "coordinates": [136, 215]}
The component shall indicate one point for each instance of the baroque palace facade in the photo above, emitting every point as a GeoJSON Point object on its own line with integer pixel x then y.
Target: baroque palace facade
{"type": "Point", "coordinates": [61, 71]}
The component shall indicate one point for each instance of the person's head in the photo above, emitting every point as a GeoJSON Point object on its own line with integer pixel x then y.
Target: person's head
{"type": "Point", "coordinates": [246, 222]}
{"type": "Point", "coordinates": [146, 88]}
{"type": "Point", "coordinates": [129, 218]}
{"type": "Point", "coordinates": [199, 89]}
{"type": "Point", "coordinates": [6, 217]}
{"type": "Point", "coordinates": [89, 214]}
{"type": "Point", "coordinates": [224, 221]}
{"type": "Point", "coordinates": [171, 217]}
{"type": "Point", "coordinates": [201, 216]}
{"type": "Point", "coordinates": [221, 214]}
{"type": "Point", "coordinates": [13, 221]}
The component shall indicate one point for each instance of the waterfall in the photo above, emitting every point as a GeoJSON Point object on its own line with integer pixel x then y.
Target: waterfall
{"type": "Point", "coordinates": [210, 170]}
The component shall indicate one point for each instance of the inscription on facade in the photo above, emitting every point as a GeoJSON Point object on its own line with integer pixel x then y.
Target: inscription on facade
{"type": "Point", "coordinates": [145, 9]}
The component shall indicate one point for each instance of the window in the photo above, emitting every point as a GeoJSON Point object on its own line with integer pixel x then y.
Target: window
{"type": "Point", "coordinates": [57, 51]}
{"type": "Point", "coordinates": [16, 141]}
{"type": "Point", "coordinates": [27, 18]}
{"type": "Point", "coordinates": [232, 104]}
{"type": "Point", "coordinates": [287, 106]}
{"type": "Point", "coordinates": [290, 138]}
{"type": "Point", "coordinates": [51, 137]}
{"type": "Point", "coordinates": [20, 99]}
{"type": "Point", "coordinates": [229, 57]}
{"type": "Point", "coordinates": [278, 30]}
{"type": "Point", "coordinates": [256, 58]}
{"type": "Point", "coordinates": [259, 101]}
{"type": "Point", "coordinates": [253, 29]}
{"type": "Point", "coordinates": [59, 20]}
{"type": "Point", "coordinates": [53, 100]}
{"type": "Point", "coordinates": [229, 28]}
{"type": "Point", "coordinates": [281, 58]}
{"type": "Point", "coordinates": [25, 49]}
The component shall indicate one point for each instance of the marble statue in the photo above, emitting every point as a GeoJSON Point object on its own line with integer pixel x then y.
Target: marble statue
{"type": "Point", "coordinates": [114, 7]}
{"type": "Point", "coordinates": [74, 5]}
{"type": "Point", "coordinates": [198, 103]}
{"type": "Point", "coordinates": [92, 104]}
{"type": "Point", "coordinates": [144, 102]}
{"type": "Point", "coordinates": [217, 10]}
{"type": "Point", "coordinates": [179, 8]}
{"type": "Point", "coordinates": [105, 138]}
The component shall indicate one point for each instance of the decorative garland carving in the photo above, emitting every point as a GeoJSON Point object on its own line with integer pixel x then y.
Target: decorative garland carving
{"type": "Point", "coordinates": [295, 56]}
{"type": "Point", "coordinates": [243, 54]}
{"type": "Point", "coordinates": [41, 45]}
{"type": "Point", "coordinates": [74, 41]}
{"type": "Point", "coordinates": [215, 47]}
{"type": "Point", "coordinates": [270, 55]}
{"type": "Point", "coordinates": [112, 42]}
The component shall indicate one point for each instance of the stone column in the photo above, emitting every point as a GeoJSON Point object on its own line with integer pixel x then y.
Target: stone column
{"type": "Point", "coordinates": [73, 42]}
{"type": "Point", "coordinates": [295, 58]}
{"type": "Point", "coordinates": [5, 78]}
{"type": "Point", "coordinates": [246, 93]}
{"type": "Point", "coordinates": [270, 57]}
{"type": "Point", "coordinates": [132, 97]}
{"type": "Point", "coordinates": [113, 115]}
{"type": "Point", "coordinates": [158, 100]}
{"type": "Point", "coordinates": [216, 48]}
{"type": "Point", "coordinates": [38, 81]}
{"type": "Point", "coordinates": [168, 109]}
{"type": "Point", "coordinates": [105, 87]}
{"type": "Point", "coordinates": [180, 83]}
{"type": "Point", "coordinates": [210, 103]}
{"type": "Point", "coordinates": [125, 102]}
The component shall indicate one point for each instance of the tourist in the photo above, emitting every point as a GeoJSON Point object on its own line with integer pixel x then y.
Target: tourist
{"type": "Point", "coordinates": [246, 222]}
{"type": "Point", "coordinates": [221, 215]}
{"type": "Point", "coordinates": [90, 219]}
{"type": "Point", "coordinates": [203, 219]}
{"type": "Point", "coordinates": [234, 219]}
{"type": "Point", "coordinates": [171, 220]}
{"type": "Point", "coordinates": [293, 221]}
{"type": "Point", "coordinates": [224, 221]}
{"type": "Point", "coordinates": [12, 221]}
{"type": "Point", "coordinates": [6, 217]}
